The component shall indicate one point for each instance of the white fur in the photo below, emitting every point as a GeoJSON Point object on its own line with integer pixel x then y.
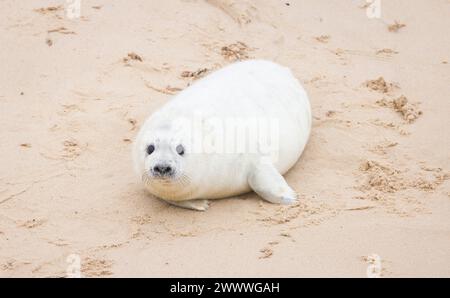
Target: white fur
{"type": "Point", "coordinates": [251, 89]}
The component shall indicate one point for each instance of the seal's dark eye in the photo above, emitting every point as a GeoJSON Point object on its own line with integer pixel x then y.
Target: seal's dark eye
{"type": "Point", "coordinates": [180, 149]}
{"type": "Point", "coordinates": [150, 149]}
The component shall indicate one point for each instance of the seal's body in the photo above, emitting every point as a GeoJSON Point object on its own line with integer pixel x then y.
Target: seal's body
{"type": "Point", "coordinates": [240, 128]}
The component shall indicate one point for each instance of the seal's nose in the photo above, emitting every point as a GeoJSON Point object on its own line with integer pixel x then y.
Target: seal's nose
{"type": "Point", "coordinates": [163, 170]}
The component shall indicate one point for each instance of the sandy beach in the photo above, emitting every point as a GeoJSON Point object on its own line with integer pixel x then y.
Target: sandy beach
{"type": "Point", "coordinates": [75, 86]}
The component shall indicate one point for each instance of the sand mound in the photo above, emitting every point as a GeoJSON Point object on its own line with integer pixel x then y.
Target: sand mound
{"type": "Point", "coordinates": [408, 111]}
{"type": "Point", "coordinates": [382, 178]}
{"type": "Point", "coordinates": [195, 75]}
{"type": "Point", "coordinates": [380, 85]}
{"type": "Point", "coordinates": [396, 27]}
{"type": "Point", "coordinates": [235, 51]}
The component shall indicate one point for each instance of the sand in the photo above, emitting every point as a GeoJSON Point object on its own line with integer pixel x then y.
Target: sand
{"type": "Point", "coordinates": [373, 181]}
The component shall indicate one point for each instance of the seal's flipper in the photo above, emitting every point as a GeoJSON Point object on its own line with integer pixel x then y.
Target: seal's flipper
{"type": "Point", "coordinates": [267, 182]}
{"type": "Point", "coordinates": [199, 205]}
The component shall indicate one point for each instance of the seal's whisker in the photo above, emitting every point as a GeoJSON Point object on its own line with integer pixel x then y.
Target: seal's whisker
{"type": "Point", "coordinates": [145, 179]}
{"type": "Point", "coordinates": [184, 180]}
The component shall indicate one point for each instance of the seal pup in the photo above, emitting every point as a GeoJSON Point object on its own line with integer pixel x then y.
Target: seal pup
{"type": "Point", "coordinates": [237, 129]}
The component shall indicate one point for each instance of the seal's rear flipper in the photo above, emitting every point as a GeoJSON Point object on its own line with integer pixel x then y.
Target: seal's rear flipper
{"type": "Point", "coordinates": [267, 182]}
{"type": "Point", "coordinates": [199, 205]}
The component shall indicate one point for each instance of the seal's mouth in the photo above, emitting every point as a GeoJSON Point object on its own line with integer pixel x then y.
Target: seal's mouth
{"type": "Point", "coordinates": [171, 180]}
{"type": "Point", "coordinates": [158, 178]}
{"type": "Point", "coordinates": [166, 176]}
{"type": "Point", "coordinates": [164, 179]}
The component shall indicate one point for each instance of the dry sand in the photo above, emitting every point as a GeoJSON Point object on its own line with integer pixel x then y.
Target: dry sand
{"type": "Point", "coordinates": [374, 179]}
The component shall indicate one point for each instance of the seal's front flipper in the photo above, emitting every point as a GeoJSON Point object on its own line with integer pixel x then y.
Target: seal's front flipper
{"type": "Point", "coordinates": [199, 205]}
{"type": "Point", "coordinates": [267, 182]}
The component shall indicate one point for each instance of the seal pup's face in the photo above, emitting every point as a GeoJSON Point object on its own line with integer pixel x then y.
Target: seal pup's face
{"type": "Point", "coordinates": [163, 160]}
{"type": "Point", "coordinates": [161, 157]}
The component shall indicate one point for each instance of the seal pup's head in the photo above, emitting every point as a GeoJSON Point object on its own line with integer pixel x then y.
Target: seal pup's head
{"type": "Point", "coordinates": [162, 160]}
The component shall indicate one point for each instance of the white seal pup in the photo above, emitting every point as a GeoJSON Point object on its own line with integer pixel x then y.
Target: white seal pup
{"type": "Point", "coordinates": [238, 129]}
